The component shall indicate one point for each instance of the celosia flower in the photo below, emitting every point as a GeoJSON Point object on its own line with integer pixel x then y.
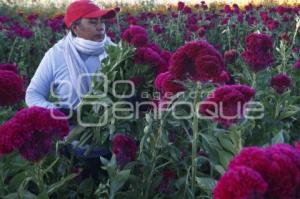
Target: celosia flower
{"type": "Point", "coordinates": [164, 83]}
{"type": "Point", "coordinates": [281, 82]}
{"type": "Point", "coordinates": [157, 29]}
{"type": "Point", "coordinates": [148, 56]}
{"type": "Point", "coordinates": [55, 23]}
{"type": "Point", "coordinates": [32, 18]}
{"type": "Point", "coordinates": [31, 132]}
{"type": "Point", "coordinates": [124, 148]}
{"type": "Point", "coordinates": [240, 183]}
{"type": "Point", "coordinates": [135, 35]}
{"type": "Point", "coordinates": [223, 78]}
{"type": "Point", "coordinates": [230, 56]}
{"type": "Point", "coordinates": [154, 47]}
{"type": "Point", "coordinates": [297, 64]}
{"type": "Point", "coordinates": [11, 88]}
{"type": "Point", "coordinates": [187, 10]}
{"type": "Point", "coordinates": [4, 19]}
{"type": "Point", "coordinates": [226, 104]}
{"type": "Point", "coordinates": [277, 167]}
{"type": "Point", "coordinates": [10, 67]}
{"type": "Point", "coordinates": [21, 31]}
{"type": "Point", "coordinates": [258, 53]}
{"type": "Point", "coordinates": [272, 24]}
{"type": "Point", "coordinates": [198, 60]}
{"type": "Point", "coordinates": [180, 5]}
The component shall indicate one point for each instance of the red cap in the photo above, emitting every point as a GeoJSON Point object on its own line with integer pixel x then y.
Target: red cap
{"type": "Point", "coordinates": [85, 9]}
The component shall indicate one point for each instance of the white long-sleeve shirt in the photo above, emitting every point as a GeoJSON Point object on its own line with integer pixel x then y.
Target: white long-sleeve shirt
{"type": "Point", "coordinates": [52, 74]}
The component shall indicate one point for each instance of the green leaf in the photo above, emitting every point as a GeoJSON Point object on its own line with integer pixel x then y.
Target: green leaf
{"type": "Point", "coordinates": [86, 187]}
{"type": "Point", "coordinates": [278, 138]}
{"type": "Point", "coordinates": [206, 183]}
{"type": "Point", "coordinates": [16, 181]}
{"type": "Point", "coordinates": [118, 181]}
{"type": "Point", "coordinates": [61, 183]}
{"type": "Point", "coordinates": [43, 195]}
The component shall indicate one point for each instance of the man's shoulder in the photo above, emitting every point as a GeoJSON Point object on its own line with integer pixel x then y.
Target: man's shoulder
{"type": "Point", "coordinates": [57, 48]}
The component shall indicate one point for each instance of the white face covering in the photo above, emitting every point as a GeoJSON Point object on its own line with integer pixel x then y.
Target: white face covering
{"type": "Point", "coordinates": [75, 64]}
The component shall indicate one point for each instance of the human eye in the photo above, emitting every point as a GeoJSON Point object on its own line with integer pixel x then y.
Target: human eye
{"type": "Point", "coordinates": [93, 21]}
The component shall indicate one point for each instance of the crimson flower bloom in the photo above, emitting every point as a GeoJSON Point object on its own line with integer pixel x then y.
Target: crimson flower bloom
{"type": "Point", "coordinates": [297, 64]}
{"type": "Point", "coordinates": [258, 53]}
{"type": "Point", "coordinates": [278, 165]}
{"type": "Point", "coordinates": [281, 82]}
{"type": "Point", "coordinates": [226, 104]}
{"type": "Point", "coordinates": [10, 67]}
{"type": "Point", "coordinates": [124, 148]}
{"type": "Point", "coordinates": [164, 83]}
{"type": "Point", "coordinates": [11, 88]}
{"type": "Point", "coordinates": [31, 132]}
{"type": "Point", "coordinates": [240, 183]}
{"type": "Point", "coordinates": [230, 56]}
{"type": "Point", "coordinates": [198, 60]}
{"type": "Point", "coordinates": [135, 35]}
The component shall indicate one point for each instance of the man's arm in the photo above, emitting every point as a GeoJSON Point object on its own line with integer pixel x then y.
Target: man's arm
{"type": "Point", "coordinates": [38, 90]}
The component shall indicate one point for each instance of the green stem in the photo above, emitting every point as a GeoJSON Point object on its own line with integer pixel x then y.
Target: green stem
{"type": "Point", "coordinates": [12, 49]}
{"type": "Point", "coordinates": [195, 137]}
{"type": "Point", "coordinates": [296, 29]}
{"type": "Point", "coordinates": [154, 155]}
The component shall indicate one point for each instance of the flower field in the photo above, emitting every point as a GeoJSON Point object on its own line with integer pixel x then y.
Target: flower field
{"type": "Point", "coordinates": [194, 101]}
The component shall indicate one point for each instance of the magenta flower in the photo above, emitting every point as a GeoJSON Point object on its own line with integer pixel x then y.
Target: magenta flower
{"type": "Point", "coordinates": [240, 183]}
{"type": "Point", "coordinates": [135, 35]}
{"type": "Point", "coordinates": [55, 23]}
{"type": "Point", "coordinates": [230, 56]}
{"type": "Point", "coordinates": [31, 132]}
{"type": "Point", "coordinates": [258, 53]}
{"type": "Point", "coordinates": [281, 82]}
{"type": "Point", "coordinates": [164, 83]}
{"type": "Point", "coordinates": [197, 60]}
{"type": "Point", "coordinates": [278, 165]}
{"type": "Point", "coordinates": [297, 64]}
{"type": "Point", "coordinates": [4, 19]}
{"type": "Point", "coordinates": [124, 148]}
{"type": "Point", "coordinates": [226, 104]}
{"type": "Point", "coordinates": [157, 29]}
{"type": "Point", "coordinates": [11, 88]}
{"type": "Point", "coordinates": [10, 67]}
{"type": "Point", "coordinates": [180, 5]}
{"type": "Point", "coordinates": [31, 18]}
{"type": "Point", "coordinates": [148, 56]}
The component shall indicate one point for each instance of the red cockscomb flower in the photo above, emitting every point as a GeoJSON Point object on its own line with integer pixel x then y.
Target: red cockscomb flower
{"type": "Point", "coordinates": [31, 132]}
{"type": "Point", "coordinates": [226, 104]}
{"type": "Point", "coordinates": [124, 148]}
{"type": "Point", "coordinates": [11, 88]}
{"type": "Point", "coordinates": [135, 35]}
{"type": "Point", "coordinates": [164, 83]}
{"type": "Point", "coordinates": [10, 67]}
{"type": "Point", "coordinates": [240, 183]}
{"type": "Point", "coordinates": [278, 167]}
{"type": "Point", "coordinates": [148, 56]}
{"type": "Point", "coordinates": [281, 82]}
{"type": "Point", "coordinates": [230, 56]}
{"type": "Point", "coordinates": [258, 53]}
{"type": "Point", "coordinates": [198, 60]}
{"type": "Point", "coordinates": [297, 64]}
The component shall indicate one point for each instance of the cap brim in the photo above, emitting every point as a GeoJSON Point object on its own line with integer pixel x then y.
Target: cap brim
{"type": "Point", "coordinates": [106, 14]}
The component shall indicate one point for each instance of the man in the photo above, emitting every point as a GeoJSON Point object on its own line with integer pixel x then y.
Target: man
{"type": "Point", "coordinates": [65, 67]}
